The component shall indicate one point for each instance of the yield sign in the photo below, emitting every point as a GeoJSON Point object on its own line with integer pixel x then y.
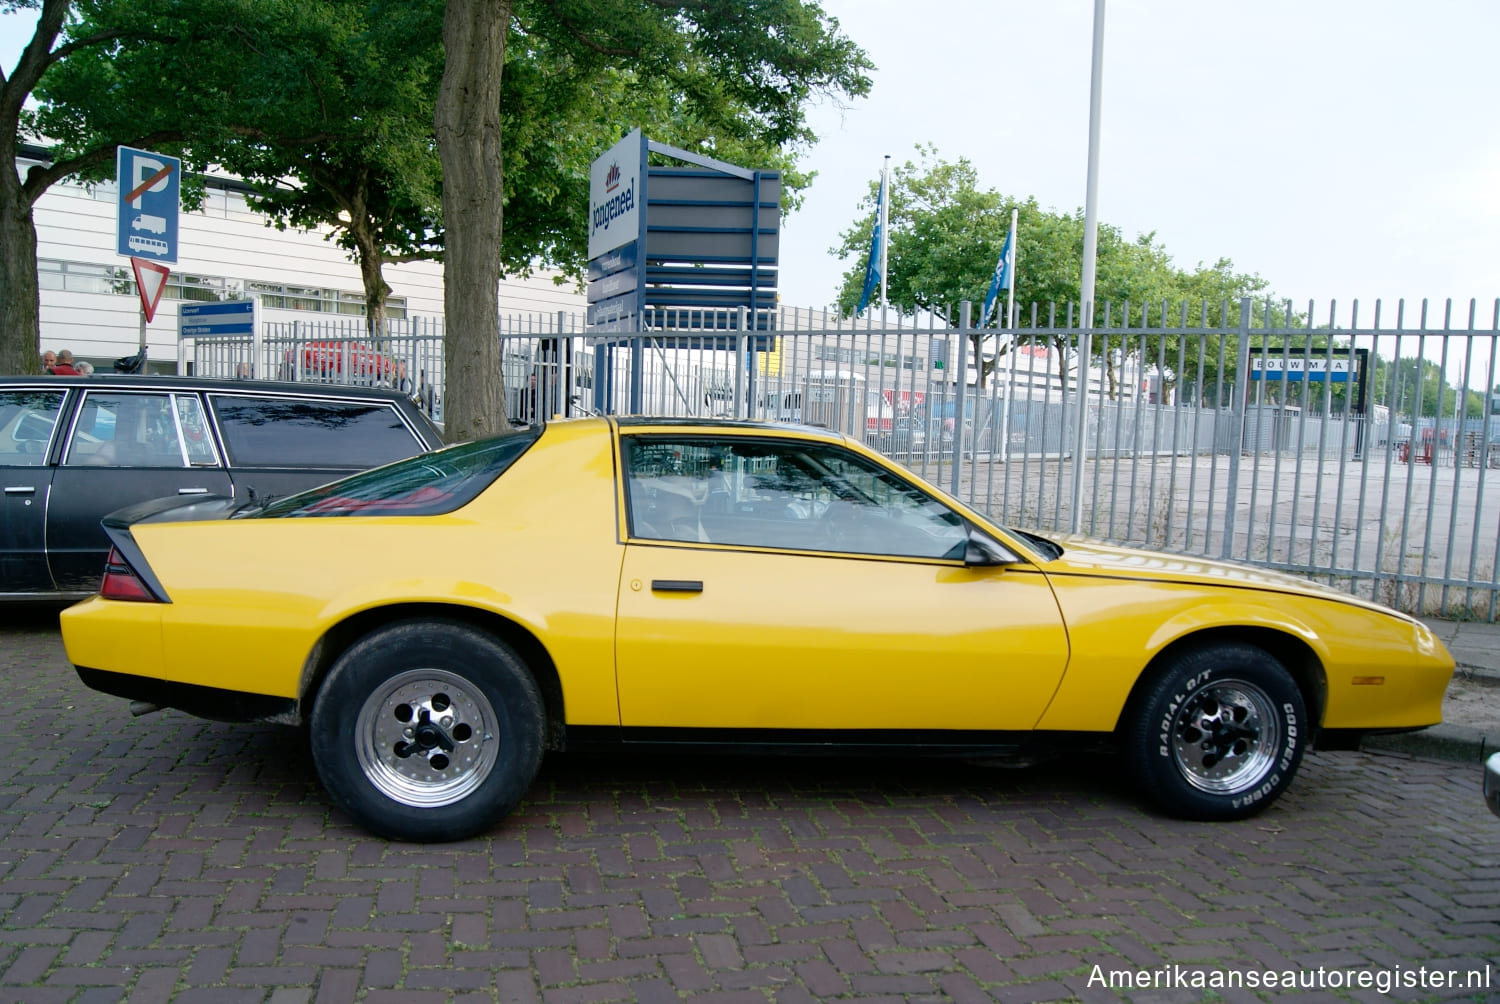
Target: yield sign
{"type": "Point", "coordinates": [150, 279]}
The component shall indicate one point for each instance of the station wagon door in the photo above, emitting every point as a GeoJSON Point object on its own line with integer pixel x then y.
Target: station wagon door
{"type": "Point", "coordinates": [28, 420]}
{"type": "Point", "coordinates": [124, 447]}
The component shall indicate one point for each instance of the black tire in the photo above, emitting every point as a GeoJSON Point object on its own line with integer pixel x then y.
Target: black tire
{"type": "Point", "coordinates": [427, 730]}
{"type": "Point", "coordinates": [1218, 733]}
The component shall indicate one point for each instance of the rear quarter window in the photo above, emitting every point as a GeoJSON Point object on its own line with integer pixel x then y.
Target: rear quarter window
{"type": "Point", "coordinates": [426, 485]}
{"type": "Point", "coordinates": [266, 431]}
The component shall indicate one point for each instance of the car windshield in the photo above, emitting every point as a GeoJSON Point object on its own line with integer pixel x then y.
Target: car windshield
{"type": "Point", "coordinates": [425, 485]}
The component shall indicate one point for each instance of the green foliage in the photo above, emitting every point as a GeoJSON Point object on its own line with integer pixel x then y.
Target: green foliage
{"type": "Point", "coordinates": [729, 79]}
{"type": "Point", "coordinates": [1416, 387]}
{"type": "Point", "coordinates": [946, 234]}
{"type": "Point", "coordinates": [326, 107]}
{"type": "Point", "coordinates": [945, 237]}
{"type": "Point", "coordinates": [131, 75]}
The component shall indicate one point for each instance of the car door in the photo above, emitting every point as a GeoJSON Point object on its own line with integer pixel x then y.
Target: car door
{"type": "Point", "coordinates": [124, 446]}
{"type": "Point", "coordinates": [28, 423]}
{"type": "Point", "coordinates": [782, 584]}
{"type": "Point", "coordinates": [278, 444]}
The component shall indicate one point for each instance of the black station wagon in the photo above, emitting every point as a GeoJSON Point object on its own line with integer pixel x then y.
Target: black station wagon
{"type": "Point", "coordinates": [75, 448]}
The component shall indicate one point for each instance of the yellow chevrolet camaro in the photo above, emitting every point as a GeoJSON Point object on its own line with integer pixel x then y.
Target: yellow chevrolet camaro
{"type": "Point", "coordinates": [441, 622]}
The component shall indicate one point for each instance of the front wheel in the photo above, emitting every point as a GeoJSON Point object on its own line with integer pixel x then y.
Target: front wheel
{"type": "Point", "coordinates": [427, 731]}
{"type": "Point", "coordinates": [1219, 733]}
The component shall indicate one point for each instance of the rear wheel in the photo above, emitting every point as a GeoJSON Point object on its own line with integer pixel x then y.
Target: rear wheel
{"type": "Point", "coordinates": [427, 731]}
{"type": "Point", "coordinates": [1219, 734]}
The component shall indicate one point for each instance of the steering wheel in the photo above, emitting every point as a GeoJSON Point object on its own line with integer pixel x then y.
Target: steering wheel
{"type": "Point", "coordinates": [841, 525]}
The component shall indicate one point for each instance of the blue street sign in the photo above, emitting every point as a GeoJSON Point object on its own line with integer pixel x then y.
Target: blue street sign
{"type": "Point", "coordinates": [203, 320]}
{"type": "Point", "coordinates": [146, 213]}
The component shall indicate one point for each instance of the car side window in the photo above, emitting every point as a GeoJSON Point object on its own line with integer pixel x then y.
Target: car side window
{"type": "Point", "coordinates": [782, 494]}
{"type": "Point", "coordinates": [272, 431]}
{"type": "Point", "coordinates": [27, 418]}
{"type": "Point", "coordinates": [194, 425]}
{"type": "Point", "coordinates": [126, 430]}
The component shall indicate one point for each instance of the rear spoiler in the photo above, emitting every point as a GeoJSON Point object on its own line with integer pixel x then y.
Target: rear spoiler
{"type": "Point", "coordinates": [173, 509]}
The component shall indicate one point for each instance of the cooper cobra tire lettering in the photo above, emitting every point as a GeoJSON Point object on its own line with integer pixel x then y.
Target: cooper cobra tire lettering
{"type": "Point", "coordinates": [1216, 732]}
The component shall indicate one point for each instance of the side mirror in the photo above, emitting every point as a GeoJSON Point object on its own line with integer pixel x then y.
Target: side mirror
{"type": "Point", "coordinates": [982, 552]}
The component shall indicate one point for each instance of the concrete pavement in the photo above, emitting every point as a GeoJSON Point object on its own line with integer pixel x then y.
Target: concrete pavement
{"type": "Point", "coordinates": [1471, 709]}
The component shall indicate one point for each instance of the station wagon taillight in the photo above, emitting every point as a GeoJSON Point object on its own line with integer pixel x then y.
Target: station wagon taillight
{"type": "Point", "coordinates": [121, 582]}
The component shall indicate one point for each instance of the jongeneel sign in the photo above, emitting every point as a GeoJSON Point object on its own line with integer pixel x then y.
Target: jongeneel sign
{"type": "Point", "coordinates": [614, 209]}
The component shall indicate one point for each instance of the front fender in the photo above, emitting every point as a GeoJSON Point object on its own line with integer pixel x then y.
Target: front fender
{"type": "Point", "coordinates": [1114, 643]}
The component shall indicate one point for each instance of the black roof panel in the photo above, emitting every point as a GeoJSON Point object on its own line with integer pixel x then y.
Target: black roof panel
{"type": "Point", "coordinates": [142, 381]}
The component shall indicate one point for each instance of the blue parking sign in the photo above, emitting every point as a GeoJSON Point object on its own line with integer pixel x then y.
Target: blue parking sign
{"type": "Point", "coordinates": [146, 220]}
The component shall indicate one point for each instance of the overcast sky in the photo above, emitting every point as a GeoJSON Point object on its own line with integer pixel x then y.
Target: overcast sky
{"type": "Point", "coordinates": [1339, 148]}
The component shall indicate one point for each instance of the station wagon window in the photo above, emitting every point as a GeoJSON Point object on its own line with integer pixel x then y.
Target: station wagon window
{"type": "Point", "coordinates": [27, 418]}
{"type": "Point", "coordinates": [124, 429]}
{"type": "Point", "coordinates": [268, 431]}
{"type": "Point", "coordinates": [783, 494]}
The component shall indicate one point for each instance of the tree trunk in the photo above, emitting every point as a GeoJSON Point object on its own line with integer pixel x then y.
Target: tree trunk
{"type": "Point", "coordinates": [467, 121]}
{"type": "Point", "coordinates": [1062, 363]}
{"type": "Point", "coordinates": [1109, 368]}
{"type": "Point", "coordinates": [376, 288]}
{"type": "Point", "coordinates": [20, 297]}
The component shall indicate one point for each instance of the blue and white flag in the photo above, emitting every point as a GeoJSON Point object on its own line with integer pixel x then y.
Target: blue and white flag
{"type": "Point", "coordinates": [874, 264]}
{"type": "Point", "coordinates": [1002, 279]}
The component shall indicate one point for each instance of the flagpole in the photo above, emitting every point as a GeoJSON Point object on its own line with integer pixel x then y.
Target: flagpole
{"type": "Point", "coordinates": [1010, 273]}
{"type": "Point", "coordinates": [1010, 324]}
{"type": "Point", "coordinates": [1090, 252]}
{"type": "Point", "coordinates": [883, 224]}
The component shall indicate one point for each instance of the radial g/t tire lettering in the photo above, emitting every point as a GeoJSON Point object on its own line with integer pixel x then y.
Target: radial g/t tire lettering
{"type": "Point", "coordinates": [1218, 734]}
{"type": "Point", "coordinates": [427, 730]}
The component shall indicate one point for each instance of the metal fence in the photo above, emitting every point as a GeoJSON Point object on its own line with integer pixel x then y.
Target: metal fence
{"type": "Point", "coordinates": [1355, 453]}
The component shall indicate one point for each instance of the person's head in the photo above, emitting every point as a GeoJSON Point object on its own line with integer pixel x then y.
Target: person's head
{"type": "Point", "coordinates": [49, 358]}
{"type": "Point", "coordinates": [84, 367]}
{"type": "Point", "coordinates": [65, 357]}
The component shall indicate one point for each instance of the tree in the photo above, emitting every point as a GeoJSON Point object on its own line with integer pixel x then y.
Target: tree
{"type": "Point", "coordinates": [945, 237]}
{"type": "Point", "coordinates": [324, 108]}
{"type": "Point", "coordinates": [739, 68]}
{"type": "Point", "coordinates": [53, 44]}
{"type": "Point", "coordinates": [355, 84]}
{"type": "Point", "coordinates": [1414, 387]}
{"type": "Point", "coordinates": [470, 145]}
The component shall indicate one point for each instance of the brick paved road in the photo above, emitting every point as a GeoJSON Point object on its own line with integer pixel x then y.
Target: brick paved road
{"type": "Point", "coordinates": [166, 858]}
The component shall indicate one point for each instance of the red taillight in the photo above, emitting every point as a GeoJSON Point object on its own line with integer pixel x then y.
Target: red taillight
{"type": "Point", "coordinates": [121, 582]}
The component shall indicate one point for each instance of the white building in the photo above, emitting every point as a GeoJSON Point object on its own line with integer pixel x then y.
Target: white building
{"type": "Point", "coordinates": [90, 304]}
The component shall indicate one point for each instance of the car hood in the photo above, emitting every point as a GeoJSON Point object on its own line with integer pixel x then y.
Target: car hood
{"type": "Point", "coordinates": [1085, 556]}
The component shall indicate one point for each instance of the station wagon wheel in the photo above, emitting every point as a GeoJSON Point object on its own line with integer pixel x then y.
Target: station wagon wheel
{"type": "Point", "coordinates": [427, 730]}
{"type": "Point", "coordinates": [1218, 733]}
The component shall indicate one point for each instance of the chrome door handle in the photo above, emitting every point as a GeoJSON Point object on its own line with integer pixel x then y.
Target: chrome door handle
{"type": "Point", "coordinates": [20, 490]}
{"type": "Point", "coordinates": [192, 491]}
